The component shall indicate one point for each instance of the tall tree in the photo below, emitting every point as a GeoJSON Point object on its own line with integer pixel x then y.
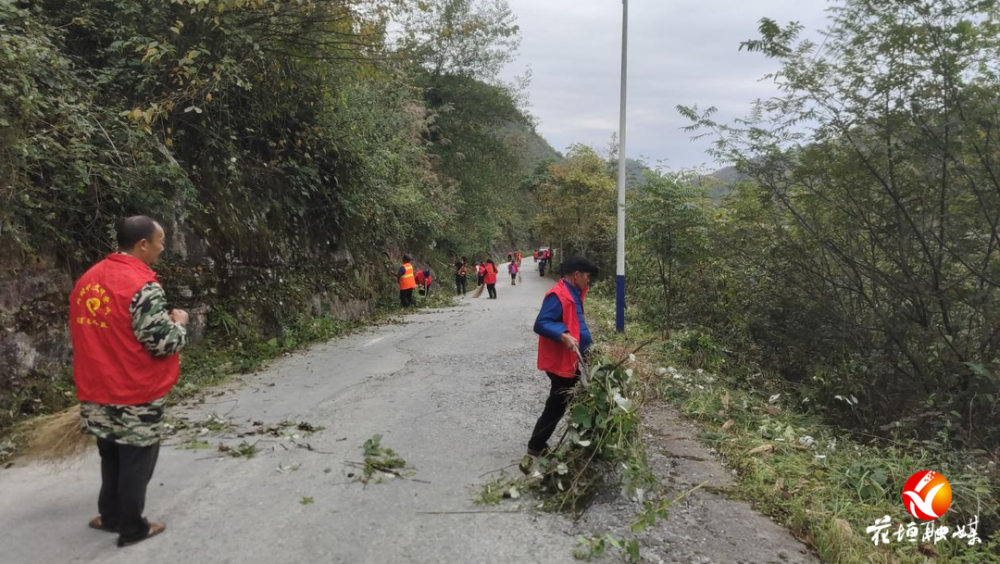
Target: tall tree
{"type": "Point", "coordinates": [878, 177]}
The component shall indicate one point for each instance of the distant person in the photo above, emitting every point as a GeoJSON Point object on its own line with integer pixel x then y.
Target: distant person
{"type": "Point", "coordinates": [490, 278]}
{"type": "Point", "coordinates": [510, 256]}
{"type": "Point", "coordinates": [424, 280]}
{"type": "Point", "coordinates": [407, 282]}
{"type": "Point", "coordinates": [480, 273]}
{"type": "Point", "coordinates": [513, 269]}
{"type": "Point", "coordinates": [534, 255]}
{"type": "Point", "coordinates": [460, 276]}
{"type": "Point", "coordinates": [519, 258]}
{"type": "Point", "coordinates": [562, 334]}
{"type": "Point", "coordinates": [125, 361]}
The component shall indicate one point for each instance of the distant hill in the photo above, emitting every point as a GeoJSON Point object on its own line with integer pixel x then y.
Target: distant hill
{"type": "Point", "coordinates": [535, 147]}
{"type": "Point", "coordinates": [635, 173]}
{"type": "Point", "coordinates": [721, 182]}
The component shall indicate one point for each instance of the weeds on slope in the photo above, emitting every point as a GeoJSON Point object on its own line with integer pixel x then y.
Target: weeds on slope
{"type": "Point", "coordinates": [826, 484]}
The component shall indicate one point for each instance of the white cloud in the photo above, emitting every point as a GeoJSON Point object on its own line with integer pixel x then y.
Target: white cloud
{"type": "Point", "coordinates": [680, 52]}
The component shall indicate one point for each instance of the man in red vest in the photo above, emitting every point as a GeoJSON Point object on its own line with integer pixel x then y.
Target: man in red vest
{"type": "Point", "coordinates": [125, 345]}
{"type": "Point", "coordinates": [562, 331]}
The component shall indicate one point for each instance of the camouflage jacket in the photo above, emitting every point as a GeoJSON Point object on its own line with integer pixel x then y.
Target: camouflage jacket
{"type": "Point", "coordinates": [139, 425]}
{"type": "Point", "coordinates": [133, 425]}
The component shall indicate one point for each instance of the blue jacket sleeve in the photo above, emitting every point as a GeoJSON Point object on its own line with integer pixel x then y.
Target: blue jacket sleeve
{"type": "Point", "coordinates": [549, 322]}
{"type": "Point", "coordinates": [401, 272]}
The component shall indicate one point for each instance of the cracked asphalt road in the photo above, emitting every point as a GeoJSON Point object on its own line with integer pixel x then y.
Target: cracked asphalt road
{"type": "Point", "coordinates": [454, 392]}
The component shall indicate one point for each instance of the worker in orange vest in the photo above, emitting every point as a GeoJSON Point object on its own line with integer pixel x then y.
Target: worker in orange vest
{"type": "Point", "coordinates": [125, 361]}
{"type": "Point", "coordinates": [407, 281]}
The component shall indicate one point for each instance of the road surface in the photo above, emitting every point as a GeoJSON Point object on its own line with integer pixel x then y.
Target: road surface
{"type": "Point", "coordinates": [454, 392]}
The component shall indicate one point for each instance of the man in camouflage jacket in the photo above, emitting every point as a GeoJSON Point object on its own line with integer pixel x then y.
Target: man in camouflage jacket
{"type": "Point", "coordinates": [124, 372]}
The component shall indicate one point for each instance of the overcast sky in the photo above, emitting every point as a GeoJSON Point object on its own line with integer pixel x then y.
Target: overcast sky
{"type": "Point", "coordinates": [680, 52]}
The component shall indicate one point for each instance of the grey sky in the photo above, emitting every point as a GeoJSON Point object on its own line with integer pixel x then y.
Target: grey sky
{"type": "Point", "coordinates": [680, 52]}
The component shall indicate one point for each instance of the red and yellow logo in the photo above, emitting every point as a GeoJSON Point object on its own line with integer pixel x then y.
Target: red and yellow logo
{"type": "Point", "coordinates": [97, 303]}
{"type": "Point", "coordinates": [927, 495]}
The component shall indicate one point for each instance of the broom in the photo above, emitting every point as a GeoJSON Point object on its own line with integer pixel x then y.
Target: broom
{"type": "Point", "coordinates": [57, 437]}
{"type": "Point", "coordinates": [478, 291]}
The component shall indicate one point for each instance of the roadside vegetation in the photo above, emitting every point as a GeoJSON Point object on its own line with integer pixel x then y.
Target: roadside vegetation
{"type": "Point", "coordinates": [830, 318]}
{"type": "Point", "coordinates": [293, 150]}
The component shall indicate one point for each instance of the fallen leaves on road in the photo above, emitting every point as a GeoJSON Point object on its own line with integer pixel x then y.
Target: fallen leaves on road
{"type": "Point", "coordinates": [380, 462]}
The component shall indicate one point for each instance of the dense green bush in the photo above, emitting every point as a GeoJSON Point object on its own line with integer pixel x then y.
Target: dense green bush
{"type": "Point", "coordinates": [861, 258]}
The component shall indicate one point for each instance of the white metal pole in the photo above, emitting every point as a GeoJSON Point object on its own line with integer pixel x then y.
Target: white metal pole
{"type": "Point", "coordinates": [620, 278]}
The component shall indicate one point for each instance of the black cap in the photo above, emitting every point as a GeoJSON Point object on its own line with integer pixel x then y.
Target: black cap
{"type": "Point", "coordinates": [578, 264]}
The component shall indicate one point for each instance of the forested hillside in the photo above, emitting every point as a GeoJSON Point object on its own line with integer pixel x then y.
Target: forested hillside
{"type": "Point", "coordinates": [294, 150]}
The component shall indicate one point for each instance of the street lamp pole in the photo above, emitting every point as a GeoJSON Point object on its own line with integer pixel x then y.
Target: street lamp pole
{"type": "Point", "coordinates": [620, 278]}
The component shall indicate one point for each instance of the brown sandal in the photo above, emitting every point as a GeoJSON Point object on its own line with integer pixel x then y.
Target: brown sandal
{"type": "Point", "coordinates": [96, 523]}
{"type": "Point", "coordinates": [155, 528]}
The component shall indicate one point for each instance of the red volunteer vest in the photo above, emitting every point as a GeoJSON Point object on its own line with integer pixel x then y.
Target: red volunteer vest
{"type": "Point", "coordinates": [553, 356]}
{"type": "Point", "coordinates": [110, 366]}
{"type": "Point", "coordinates": [491, 274]}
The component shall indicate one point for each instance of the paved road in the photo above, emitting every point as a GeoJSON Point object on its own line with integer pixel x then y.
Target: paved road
{"type": "Point", "coordinates": [454, 392]}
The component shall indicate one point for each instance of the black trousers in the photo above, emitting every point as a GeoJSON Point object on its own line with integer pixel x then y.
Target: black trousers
{"type": "Point", "coordinates": [555, 408]}
{"type": "Point", "coordinates": [406, 297]}
{"type": "Point", "coordinates": [513, 279]}
{"type": "Point", "coordinates": [125, 474]}
{"type": "Point", "coordinates": [460, 285]}
{"type": "Point", "coordinates": [492, 289]}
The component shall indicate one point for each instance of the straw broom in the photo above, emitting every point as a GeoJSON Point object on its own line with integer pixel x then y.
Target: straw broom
{"type": "Point", "coordinates": [478, 291]}
{"type": "Point", "coordinates": [57, 437]}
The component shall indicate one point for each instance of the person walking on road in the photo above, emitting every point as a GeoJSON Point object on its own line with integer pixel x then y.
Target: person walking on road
{"type": "Point", "coordinates": [562, 336]}
{"type": "Point", "coordinates": [513, 269]}
{"type": "Point", "coordinates": [125, 361]}
{"type": "Point", "coordinates": [407, 282]}
{"type": "Point", "coordinates": [490, 278]}
{"type": "Point", "coordinates": [460, 276]}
